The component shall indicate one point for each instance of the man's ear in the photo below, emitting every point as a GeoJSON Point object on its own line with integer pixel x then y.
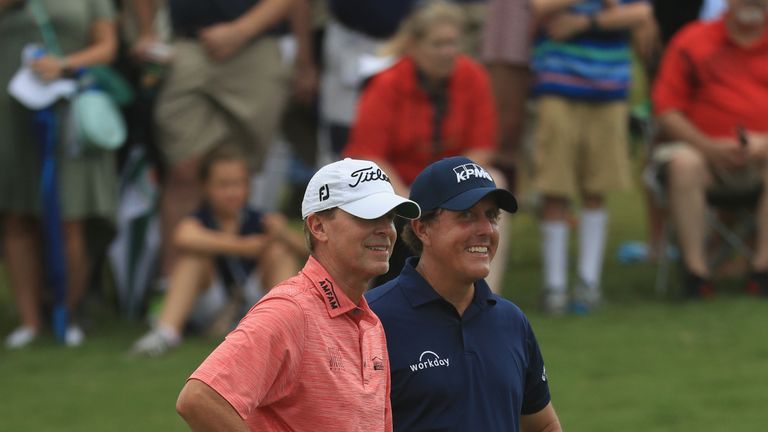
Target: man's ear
{"type": "Point", "coordinates": [421, 230]}
{"type": "Point", "coordinates": [317, 227]}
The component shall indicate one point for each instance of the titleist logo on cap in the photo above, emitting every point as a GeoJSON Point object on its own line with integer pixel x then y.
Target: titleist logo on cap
{"type": "Point", "coordinates": [367, 174]}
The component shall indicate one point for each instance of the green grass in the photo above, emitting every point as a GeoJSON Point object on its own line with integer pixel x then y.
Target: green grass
{"type": "Point", "coordinates": [638, 364]}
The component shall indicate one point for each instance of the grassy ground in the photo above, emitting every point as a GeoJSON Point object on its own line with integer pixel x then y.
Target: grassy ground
{"type": "Point", "coordinates": [639, 364]}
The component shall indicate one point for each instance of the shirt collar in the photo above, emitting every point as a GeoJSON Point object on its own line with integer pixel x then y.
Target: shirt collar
{"type": "Point", "coordinates": [336, 301]}
{"type": "Point", "coordinates": [419, 292]}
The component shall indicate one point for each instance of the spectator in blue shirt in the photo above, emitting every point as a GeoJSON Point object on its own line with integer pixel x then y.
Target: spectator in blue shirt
{"type": "Point", "coordinates": [462, 358]}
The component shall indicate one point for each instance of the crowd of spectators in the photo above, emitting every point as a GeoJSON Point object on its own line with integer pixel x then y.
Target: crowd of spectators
{"type": "Point", "coordinates": [223, 84]}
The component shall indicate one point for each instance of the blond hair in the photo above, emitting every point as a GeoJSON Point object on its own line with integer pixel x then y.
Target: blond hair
{"type": "Point", "coordinates": [426, 15]}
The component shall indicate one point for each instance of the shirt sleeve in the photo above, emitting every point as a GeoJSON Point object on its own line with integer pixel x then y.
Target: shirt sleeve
{"type": "Point", "coordinates": [258, 362]}
{"type": "Point", "coordinates": [673, 87]}
{"type": "Point", "coordinates": [536, 394]}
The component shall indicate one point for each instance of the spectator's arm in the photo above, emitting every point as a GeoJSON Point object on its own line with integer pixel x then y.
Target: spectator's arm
{"type": "Point", "coordinates": [277, 226]}
{"type": "Point", "coordinates": [305, 81]}
{"type": "Point", "coordinates": [543, 8]}
{"type": "Point", "coordinates": [565, 25]}
{"type": "Point", "coordinates": [646, 40]}
{"type": "Point", "coordinates": [672, 93]}
{"type": "Point", "coordinates": [543, 421]}
{"type": "Point", "coordinates": [101, 50]}
{"type": "Point", "coordinates": [624, 16]}
{"type": "Point", "coordinates": [145, 12]}
{"type": "Point", "coordinates": [191, 236]}
{"type": "Point", "coordinates": [205, 410]}
{"type": "Point", "coordinates": [224, 40]}
{"type": "Point", "coordinates": [757, 146]}
{"type": "Point", "coordinates": [677, 127]}
{"type": "Point", "coordinates": [262, 16]}
{"type": "Point", "coordinates": [724, 152]}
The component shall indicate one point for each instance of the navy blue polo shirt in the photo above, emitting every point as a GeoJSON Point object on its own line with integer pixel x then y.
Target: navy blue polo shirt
{"type": "Point", "coordinates": [476, 372]}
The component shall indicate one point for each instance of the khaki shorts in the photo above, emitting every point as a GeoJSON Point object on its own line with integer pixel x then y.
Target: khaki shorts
{"type": "Point", "coordinates": [580, 147]}
{"type": "Point", "coordinates": [204, 102]}
{"type": "Point", "coordinates": [724, 182]}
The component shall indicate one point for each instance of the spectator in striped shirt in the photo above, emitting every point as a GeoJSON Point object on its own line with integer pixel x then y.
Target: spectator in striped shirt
{"type": "Point", "coordinates": [581, 66]}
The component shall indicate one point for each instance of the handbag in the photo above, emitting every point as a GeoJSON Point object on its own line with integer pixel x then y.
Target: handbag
{"type": "Point", "coordinates": [98, 122]}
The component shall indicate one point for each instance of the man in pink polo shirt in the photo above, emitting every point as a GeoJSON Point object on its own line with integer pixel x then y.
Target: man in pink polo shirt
{"type": "Point", "coordinates": [311, 355]}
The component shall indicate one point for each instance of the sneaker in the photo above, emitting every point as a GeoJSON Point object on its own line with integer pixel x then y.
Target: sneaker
{"type": "Point", "coordinates": [586, 297]}
{"type": "Point", "coordinates": [695, 286]}
{"type": "Point", "coordinates": [554, 302]}
{"type": "Point", "coordinates": [74, 337]}
{"type": "Point", "coordinates": [155, 343]}
{"type": "Point", "coordinates": [20, 337]}
{"type": "Point", "coordinates": [757, 283]}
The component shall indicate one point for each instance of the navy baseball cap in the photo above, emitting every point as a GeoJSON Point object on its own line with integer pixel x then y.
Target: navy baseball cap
{"type": "Point", "coordinates": [457, 183]}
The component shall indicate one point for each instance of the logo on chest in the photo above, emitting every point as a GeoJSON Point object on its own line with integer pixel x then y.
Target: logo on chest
{"type": "Point", "coordinates": [378, 363]}
{"type": "Point", "coordinates": [428, 360]}
{"type": "Point", "coordinates": [334, 359]}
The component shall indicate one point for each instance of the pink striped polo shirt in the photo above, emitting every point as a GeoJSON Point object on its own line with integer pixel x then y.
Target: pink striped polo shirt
{"type": "Point", "coordinates": [305, 358]}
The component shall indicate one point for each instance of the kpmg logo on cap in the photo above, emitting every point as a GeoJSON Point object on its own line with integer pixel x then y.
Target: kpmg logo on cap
{"type": "Point", "coordinates": [468, 171]}
{"type": "Point", "coordinates": [367, 174]}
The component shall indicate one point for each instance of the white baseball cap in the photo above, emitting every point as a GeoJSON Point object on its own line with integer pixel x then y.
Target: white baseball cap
{"type": "Point", "coordinates": [358, 187]}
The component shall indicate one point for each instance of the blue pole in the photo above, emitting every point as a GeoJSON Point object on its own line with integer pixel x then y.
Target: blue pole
{"type": "Point", "coordinates": [46, 129]}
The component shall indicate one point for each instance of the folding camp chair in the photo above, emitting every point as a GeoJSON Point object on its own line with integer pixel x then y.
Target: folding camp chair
{"type": "Point", "coordinates": [730, 218]}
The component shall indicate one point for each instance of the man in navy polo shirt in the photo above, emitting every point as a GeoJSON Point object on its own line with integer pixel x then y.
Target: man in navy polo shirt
{"type": "Point", "coordinates": [462, 358]}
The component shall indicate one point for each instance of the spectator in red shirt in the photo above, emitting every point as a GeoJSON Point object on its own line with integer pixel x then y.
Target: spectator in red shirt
{"type": "Point", "coordinates": [433, 103]}
{"type": "Point", "coordinates": [713, 82]}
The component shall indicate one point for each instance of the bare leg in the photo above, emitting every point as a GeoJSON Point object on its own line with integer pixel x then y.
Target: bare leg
{"type": "Point", "coordinates": [555, 209]}
{"type": "Point", "coordinates": [77, 263]}
{"type": "Point", "coordinates": [180, 196]}
{"type": "Point", "coordinates": [276, 265]}
{"type": "Point", "coordinates": [656, 219]}
{"type": "Point", "coordinates": [760, 260]}
{"type": "Point", "coordinates": [510, 88]}
{"type": "Point", "coordinates": [688, 181]}
{"type": "Point", "coordinates": [22, 253]}
{"type": "Point", "coordinates": [190, 276]}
